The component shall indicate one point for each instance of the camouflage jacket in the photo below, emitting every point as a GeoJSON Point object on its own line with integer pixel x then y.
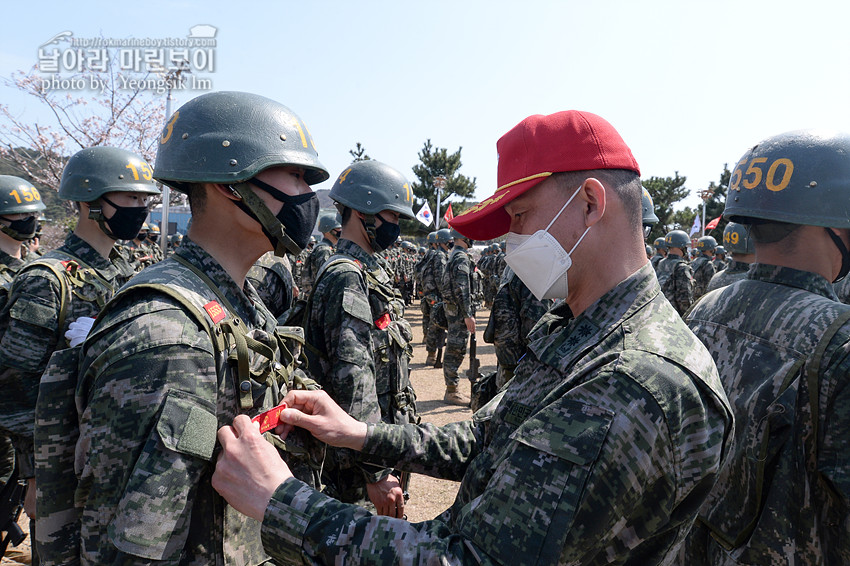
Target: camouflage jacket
{"type": "Point", "coordinates": [784, 498]}
{"type": "Point", "coordinates": [29, 325]}
{"type": "Point", "coordinates": [272, 279]}
{"type": "Point", "coordinates": [9, 267]}
{"type": "Point", "coordinates": [152, 392]}
{"type": "Point", "coordinates": [432, 272]}
{"type": "Point", "coordinates": [342, 351]}
{"type": "Point", "coordinates": [677, 282]}
{"type": "Point", "coordinates": [457, 283]}
{"type": "Point", "coordinates": [655, 260]}
{"type": "Point", "coordinates": [320, 254]}
{"type": "Point", "coordinates": [734, 271]}
{"type": "Point", "coordinates": [599, 451]}
{"type": "Point", "coordinates": [515, 312]}
{"type": "Point", "coordinates": [704, 270]}
{"type": "Point", "coordinates": [720, 264]}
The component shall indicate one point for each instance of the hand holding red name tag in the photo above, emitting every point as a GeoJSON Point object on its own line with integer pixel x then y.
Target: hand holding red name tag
{"type": "Point", "coordinates": [268, 420]}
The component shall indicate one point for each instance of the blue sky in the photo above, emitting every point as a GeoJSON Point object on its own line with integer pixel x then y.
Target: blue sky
{"type": "Point", "coordinates": [689, 84]}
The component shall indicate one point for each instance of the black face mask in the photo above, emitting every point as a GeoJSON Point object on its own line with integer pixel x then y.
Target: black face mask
{"type": "Point", "coordinates": [142, 236]}
{"type": "Point", "coordinates": [385, 235]}
{"type": "Point", "coordinates": [298, 214]}
{"type": "Point", "coordinates": [126, 222]}
{"type": "Point", "coordinates": [21, 229]}
{"type": "Point", "coordinates": [845, 255]}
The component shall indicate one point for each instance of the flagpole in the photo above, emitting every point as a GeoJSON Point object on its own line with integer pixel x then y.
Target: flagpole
{"type": "Point", "coordinates": [439, 183]}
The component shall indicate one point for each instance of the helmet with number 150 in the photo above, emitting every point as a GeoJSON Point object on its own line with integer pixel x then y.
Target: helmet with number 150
{"type": "Point", "coordinates": [90, 173]}
{"type": "Point", "coordinates": [799, 177]}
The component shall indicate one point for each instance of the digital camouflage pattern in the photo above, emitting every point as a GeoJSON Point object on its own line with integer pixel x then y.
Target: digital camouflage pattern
{"type": "Point", "coordinates": [8, 268]}
{"type": "Point", "coordinates": [784, 498]}
{"type": "Point", "coordinates": [457, 287]}
{"type": "Point", "coordinates": [272, 279]}
{"type": "Point", "coordinates": [320, 254]}
{"type": "Point", "coordinates": [29, 325]}
{"type": "Point", "coordinates": [655, 260]}
{"type": "Point", "coordinates": [734, 271]}
{"type": "Point", "coordinates": [515, 312]}
{"type": "Point", "coordinates": [341, 328]}
{"type": "Point", "coordinates": [703, 269]}
{"type": "Point", "coordinates": [600, 451]}
{"type": "Point", "coordinates": [842, 290]}
{"type": "Point", "coordinates": [719, 264]}
{"type": "Point", "coordinates": [151, 396]}
{"type": "Point", "coordinates": [677, 282]}
{"type": "Point", "coordinates": [432, 281]}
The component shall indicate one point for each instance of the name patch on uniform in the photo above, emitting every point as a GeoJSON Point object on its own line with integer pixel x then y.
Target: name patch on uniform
{"type": "Point", "coordinates": [384, 321]}
{"type": "Point", "coordinates": [517, 413]}
{"type": "Point", "coordinates": [215, 311]}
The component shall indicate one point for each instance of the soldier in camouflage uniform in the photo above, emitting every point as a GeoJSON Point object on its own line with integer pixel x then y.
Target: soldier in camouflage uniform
{"type": "Point", "coordinates": [20, 206]}
{"type": "Point", "coordinates": [153, 384]}
{"type": "Point", "coordinates": [675, 274]}
{"type": "Point", "coordinates": [435, 339]}
{"type": "Point", "coordinates": [330, 225]}
{"type": "Point", "coordinates": [515, 312]}
{"type": "Point", "coordinates": [781, 342]}
{"type": "Point", "coordinates": [460, 314]}
{"type": "Point", "coordinates": [67, 287]}
{"type": "Point", "coordinates": [703, 265]}
{"type": "Point", "coordinates": [601, 448]}
{"type": "Point", "coordinates": [720, 261]}
{"type": "Point", "coordinates": [359, 342]}
{"type": "Point", "coordinates": [137, 251]}
{"type": "Point", "coordinates": [737, 238]}
{"type": "Point", "coordinates": [271, 276]}
{"type": "Point", "coordinates": [660, 252]}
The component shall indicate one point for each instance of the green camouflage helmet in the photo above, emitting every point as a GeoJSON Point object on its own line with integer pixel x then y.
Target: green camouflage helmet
{"type": "Point", "coordinates": [92, 172]}
{"type": "Point", "coordinates": [659, 243]}
{"type": "Point", "coordinates": [371, 186]}
{"type": "Point", "coordinates": [329, 222]}
{"type": "Point", "coordinates": [444, 236]}
{"type": "Point", "coordinates": [18, 196]}
{"type": "Point", "coordinates": [648, 250]}
{"type": "Point", "coordinates": [677, 239]}
{"type": "Point", "coordinates": [799, 177]}
{"type": "Point", "coordinates": [432, 238]}
{"type": "Point", "coordinates": [720, 250]}
{"type": "Point", "coordinates": [229, 137]}
{"type": "Point", "coordinates": [648, 207]}
{"type": "Point", "coordinates": [736, 238]}
{"type": "Point", "coordinates": [454, 234]}
{"type": "Point", "coordinates": [706, 244]}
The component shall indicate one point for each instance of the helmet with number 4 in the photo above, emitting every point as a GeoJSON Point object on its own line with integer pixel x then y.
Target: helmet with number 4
{"type": "Point", "coordinates": [799, 177]}
{"type": "Point", "coordinates": [18, 196]}
{"type": "Point", "coordinates": [736, 238]}
{"type": "Point", "coordinates": [371, 187]}
{"type": "Point", "coordinates": [677, 239]}
{"type": "Point", "coordinates": [92, 172]}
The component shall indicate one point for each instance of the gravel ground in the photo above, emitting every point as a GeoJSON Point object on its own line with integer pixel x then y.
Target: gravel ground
{"type": "Point", "coordinates": [428, 496]}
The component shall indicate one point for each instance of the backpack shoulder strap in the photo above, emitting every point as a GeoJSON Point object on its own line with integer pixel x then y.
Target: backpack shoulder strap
{"type": "Point", "coordinates": [60, 270]}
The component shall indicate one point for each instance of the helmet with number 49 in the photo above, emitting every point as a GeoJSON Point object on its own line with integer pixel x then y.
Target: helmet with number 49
{"type": "Point", "coordinates": [736, 239]}
{"type": "Point", "coordinates": [799, 177]}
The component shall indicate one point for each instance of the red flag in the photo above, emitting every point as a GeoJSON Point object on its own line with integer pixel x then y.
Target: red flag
{"type": "Point", "coordinates": [448, 215]}
{"type": "Point", "coordinates": [713, 224]}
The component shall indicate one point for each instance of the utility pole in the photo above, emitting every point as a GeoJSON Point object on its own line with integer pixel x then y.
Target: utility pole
{"type": "Point", "coordinates": [172, 77]}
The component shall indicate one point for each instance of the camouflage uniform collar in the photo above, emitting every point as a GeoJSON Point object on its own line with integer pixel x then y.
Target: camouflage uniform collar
{"type": "Point", "coordinates": [349, 248]}
{"type": "Point", "coordinates": [246, 301]}
{"type": "Point", "coordinates": [559, 338]}
{"type": "Point", "coordinates": [737, 267]}
{"type": "Point", "coordinates": [79, 248]}
{"type": "Point", "coordinates": [791, 277]}
{"type": "Point", "coordinates": [326, 242]}
{"type": "Point", "coordinates": [13, 263]}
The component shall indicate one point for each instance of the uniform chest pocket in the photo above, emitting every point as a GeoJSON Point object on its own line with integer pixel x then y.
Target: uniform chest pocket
{"type": "Point", "coordinates": [532, 496]}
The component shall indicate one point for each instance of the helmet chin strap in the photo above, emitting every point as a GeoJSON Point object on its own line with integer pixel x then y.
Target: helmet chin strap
{"type": "Point", "coordinates": [275, 231]}
{"type": "Point", "coordinates": [845, 255]}
{"type": "Point", "coordinates": [96, 214]}
{"type": "Point", "coordinates": [368, 223]}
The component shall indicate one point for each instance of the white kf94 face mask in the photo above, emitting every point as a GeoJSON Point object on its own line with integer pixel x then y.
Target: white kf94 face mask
{"type": "Point", "coordinates": [540, 261]}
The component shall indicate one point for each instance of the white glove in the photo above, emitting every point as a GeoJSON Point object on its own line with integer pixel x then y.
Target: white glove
{"type": "Point", "coordinates": [78, 330]}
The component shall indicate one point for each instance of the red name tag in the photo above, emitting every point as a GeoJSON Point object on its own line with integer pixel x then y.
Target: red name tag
{"type": "Point", "coordinates": [384, 321]}
{"type": "Point", "coordinates": [215, 311]}
{"type": "Point", "coordinates": [270, 419]}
